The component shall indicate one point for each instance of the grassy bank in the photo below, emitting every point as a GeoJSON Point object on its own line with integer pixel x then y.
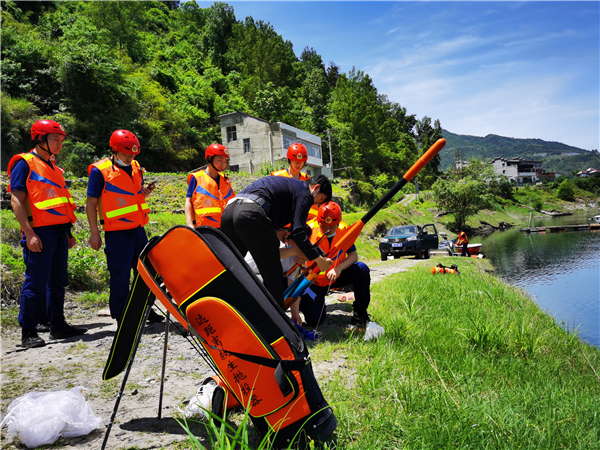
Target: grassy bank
{"type": "Point", "coordinates": [466, 362]}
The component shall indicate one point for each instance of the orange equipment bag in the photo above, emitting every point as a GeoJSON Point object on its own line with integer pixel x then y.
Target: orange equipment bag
{"type": "Point", "coordinates": [255, 349]}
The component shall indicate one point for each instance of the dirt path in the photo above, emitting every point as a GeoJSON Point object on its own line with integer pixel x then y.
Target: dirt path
{"type": "Point", "coordinates": [80, 361]}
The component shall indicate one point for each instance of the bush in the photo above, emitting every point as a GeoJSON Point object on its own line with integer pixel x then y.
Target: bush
{"type": "Point", "coordinates": [76, 157]}
{"type": "Point", "coordinates": [566, 191]}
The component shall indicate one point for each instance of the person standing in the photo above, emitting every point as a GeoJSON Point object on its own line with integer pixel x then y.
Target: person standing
{"type": "Point", "coordinates": [252, 218]}
{"type": "Point", "coordinates": [44, 208]}
{"type": "Point", "coordinates": [116, 195]}
{"type": "Point", "coordinates": [463, 241]}
{"type": "Point", "coordinates": [345, 271]}
{"type": "Point", "coordinates": [297, 157]}
{"type": "Point", "coordinates": [209, 190]}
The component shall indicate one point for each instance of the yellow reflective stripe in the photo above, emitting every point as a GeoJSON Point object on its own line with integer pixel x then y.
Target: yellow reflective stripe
{"type": "Point", "coordinates": [71, 201]}
{"type": "Point", "coordinates": [51, 202]}
{"type": "Point", "coordinates": [121, 211]}
{"type": "Point", "coordinates": [145, 207]}
{"type": "Point", "coordinates": [28, 156]}
{"type": "Point", "coordinates": [104, 165]}
{"type": "Point", "coordinates": [208, 210]}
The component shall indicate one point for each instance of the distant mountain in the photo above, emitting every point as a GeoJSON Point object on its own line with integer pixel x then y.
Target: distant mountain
{"type": "Point", "coordinates": [556, 157]}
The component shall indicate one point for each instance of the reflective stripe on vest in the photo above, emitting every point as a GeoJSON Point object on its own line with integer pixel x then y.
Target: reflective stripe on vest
{"type": "Point", "coordinates": [48, 201]}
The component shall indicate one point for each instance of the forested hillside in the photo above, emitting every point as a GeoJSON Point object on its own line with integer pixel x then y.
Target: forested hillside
{"type": "Point", "coordinates": [557, 157]}
{"type": "Point", "coordinates": [167, 70]}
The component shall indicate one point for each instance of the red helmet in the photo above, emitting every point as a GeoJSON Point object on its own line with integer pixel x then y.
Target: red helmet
{"type": "Point", "coordinates": [44, 127]}
{"type": "Point", "coordinates": [216, 150]}
{"type": "Point", "coordinates": [297, 152]}
{"type": "Point", "coordinates": [329, 213]}
{"type": "Point", "coordinates": [125, 142]}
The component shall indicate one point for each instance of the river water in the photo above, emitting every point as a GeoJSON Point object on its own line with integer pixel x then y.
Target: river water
{"type": "Point", "coordinates": [560, 271]}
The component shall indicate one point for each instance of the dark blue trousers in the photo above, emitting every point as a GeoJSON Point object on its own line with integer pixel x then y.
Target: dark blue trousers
{"type": "Point", "coordinates": [122, 249]}
{"type": "Point", "coordinates": [312, 302]}
{"type": "Point", "coordinates": [46, 277]}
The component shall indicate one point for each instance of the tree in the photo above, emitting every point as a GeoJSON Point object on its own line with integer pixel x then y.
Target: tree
{"type": "Point", "coordinates": [462, 197]}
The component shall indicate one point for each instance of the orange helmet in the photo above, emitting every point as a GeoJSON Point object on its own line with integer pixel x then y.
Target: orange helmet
{"type": "Point", "coordinates": [125, 142]}
{"type": "Point", "coordinates": [216, 150]}
{"type": "Point", "coordinates": [297, 152]}
{"type": "Point", "coordinates": [44, 127]}
{"type": "Point", "coordinates": [329, 213]}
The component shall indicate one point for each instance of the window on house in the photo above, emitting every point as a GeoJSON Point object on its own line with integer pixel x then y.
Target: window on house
{"type": "Point", "coordinates": [231, 134]}
{"type": "Point", "coordinates": [247, 145]}
{"type": "Point", "coordinates": [234, 168]}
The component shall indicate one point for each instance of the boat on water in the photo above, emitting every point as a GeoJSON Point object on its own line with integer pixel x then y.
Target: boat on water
{"type": "Point", "coordinates": [595, 219]}
{"type": "Point", "coordinates": [474, 249]}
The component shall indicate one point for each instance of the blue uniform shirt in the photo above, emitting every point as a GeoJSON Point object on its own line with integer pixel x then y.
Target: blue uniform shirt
{"type": "Point", "coordinates": [19, 174]}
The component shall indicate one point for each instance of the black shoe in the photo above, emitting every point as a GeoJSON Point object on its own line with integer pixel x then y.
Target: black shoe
{"type": "Point", "coordinates": [360, 319]}
{"type": "Point", "coordinates": [32, 340]}
{"type": "Point", "coordinates": [42, 328]}
{"type": "Point", "coordinates": [67, 332]}
{"type": "Point", "coordinates": [153, 317]}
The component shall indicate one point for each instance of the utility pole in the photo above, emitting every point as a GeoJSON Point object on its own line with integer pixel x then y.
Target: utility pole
{"type": "Point", "coordinates": [330, 155]}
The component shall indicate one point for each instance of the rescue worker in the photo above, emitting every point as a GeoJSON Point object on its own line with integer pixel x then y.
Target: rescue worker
{"type": "Point", "coordinates": [297, 157]}
{"type": "Point", "coordinates": [209, 190]}
{"type": "Point", "coordinates": [345, 271]}
{"type": "Point", "coordinates": [44, 208]}
{"type": "Point", "coordinates": [251, 219]}
{"type": "Point", "coordinates": [117, 195]}
{"type": "Point", "coordinates": [463, 241]}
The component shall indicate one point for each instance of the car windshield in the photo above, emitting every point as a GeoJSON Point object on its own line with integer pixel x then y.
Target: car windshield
{"type": "Point", "coordinates": [408, 229]}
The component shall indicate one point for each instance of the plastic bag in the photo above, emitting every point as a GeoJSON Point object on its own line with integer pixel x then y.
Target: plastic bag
{"type": "Point", "coordinates": [202, 399]}
{"type": "Point", "coordinates": [40, 418]}
{"type": "Point", "coordinates": [373, 331]}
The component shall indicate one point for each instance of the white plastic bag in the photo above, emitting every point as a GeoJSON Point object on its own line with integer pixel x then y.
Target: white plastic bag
{"type": "Point", "coordinates": [373, 331]}
{"type": "Point", "coordinates": [40, 418]}
{"type": "Point", "coordinates": [202, 399]}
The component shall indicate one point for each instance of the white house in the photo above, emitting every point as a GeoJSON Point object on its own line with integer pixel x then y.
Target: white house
{"type": "Point", "coordinates": [517, 170]}
{"type": "Point", "coordinates": [252, 141]}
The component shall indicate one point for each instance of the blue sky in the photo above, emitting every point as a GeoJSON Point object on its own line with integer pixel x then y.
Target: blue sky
{"type": "Point", "coordinates": [516, 69]}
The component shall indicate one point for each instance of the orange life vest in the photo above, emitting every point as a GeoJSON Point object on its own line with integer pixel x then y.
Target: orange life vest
{"type": "Point", "coordinates": [285, 173]}
{"type": "Point", "coordinates": [462, 238]}
{"type": "Point", "coordinates": [316, 234]}
{"type": "Point", "coordinates": [314, 210]}
{"type": "Point", "coordinates": [48, 201]}
{"type": "Point", "coordinates": [435, 270]}
{"type": "Point", "coordinates": [122, 205]}
{"type": "Point", "coordinates": [209, 200]}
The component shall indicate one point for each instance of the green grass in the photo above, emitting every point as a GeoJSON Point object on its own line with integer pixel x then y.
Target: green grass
{"type": "Point", "coordinates": [466, 361]}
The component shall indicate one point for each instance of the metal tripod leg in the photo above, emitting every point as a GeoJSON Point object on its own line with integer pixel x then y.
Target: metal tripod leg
{"type": "Point", "coordinates": [138, 338]}
{"type": "Point", "coordinates": [164, 365]}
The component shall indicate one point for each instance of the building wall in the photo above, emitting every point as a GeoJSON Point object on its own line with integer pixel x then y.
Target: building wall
{"type": "Point", "coordinates": [266, 142]}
